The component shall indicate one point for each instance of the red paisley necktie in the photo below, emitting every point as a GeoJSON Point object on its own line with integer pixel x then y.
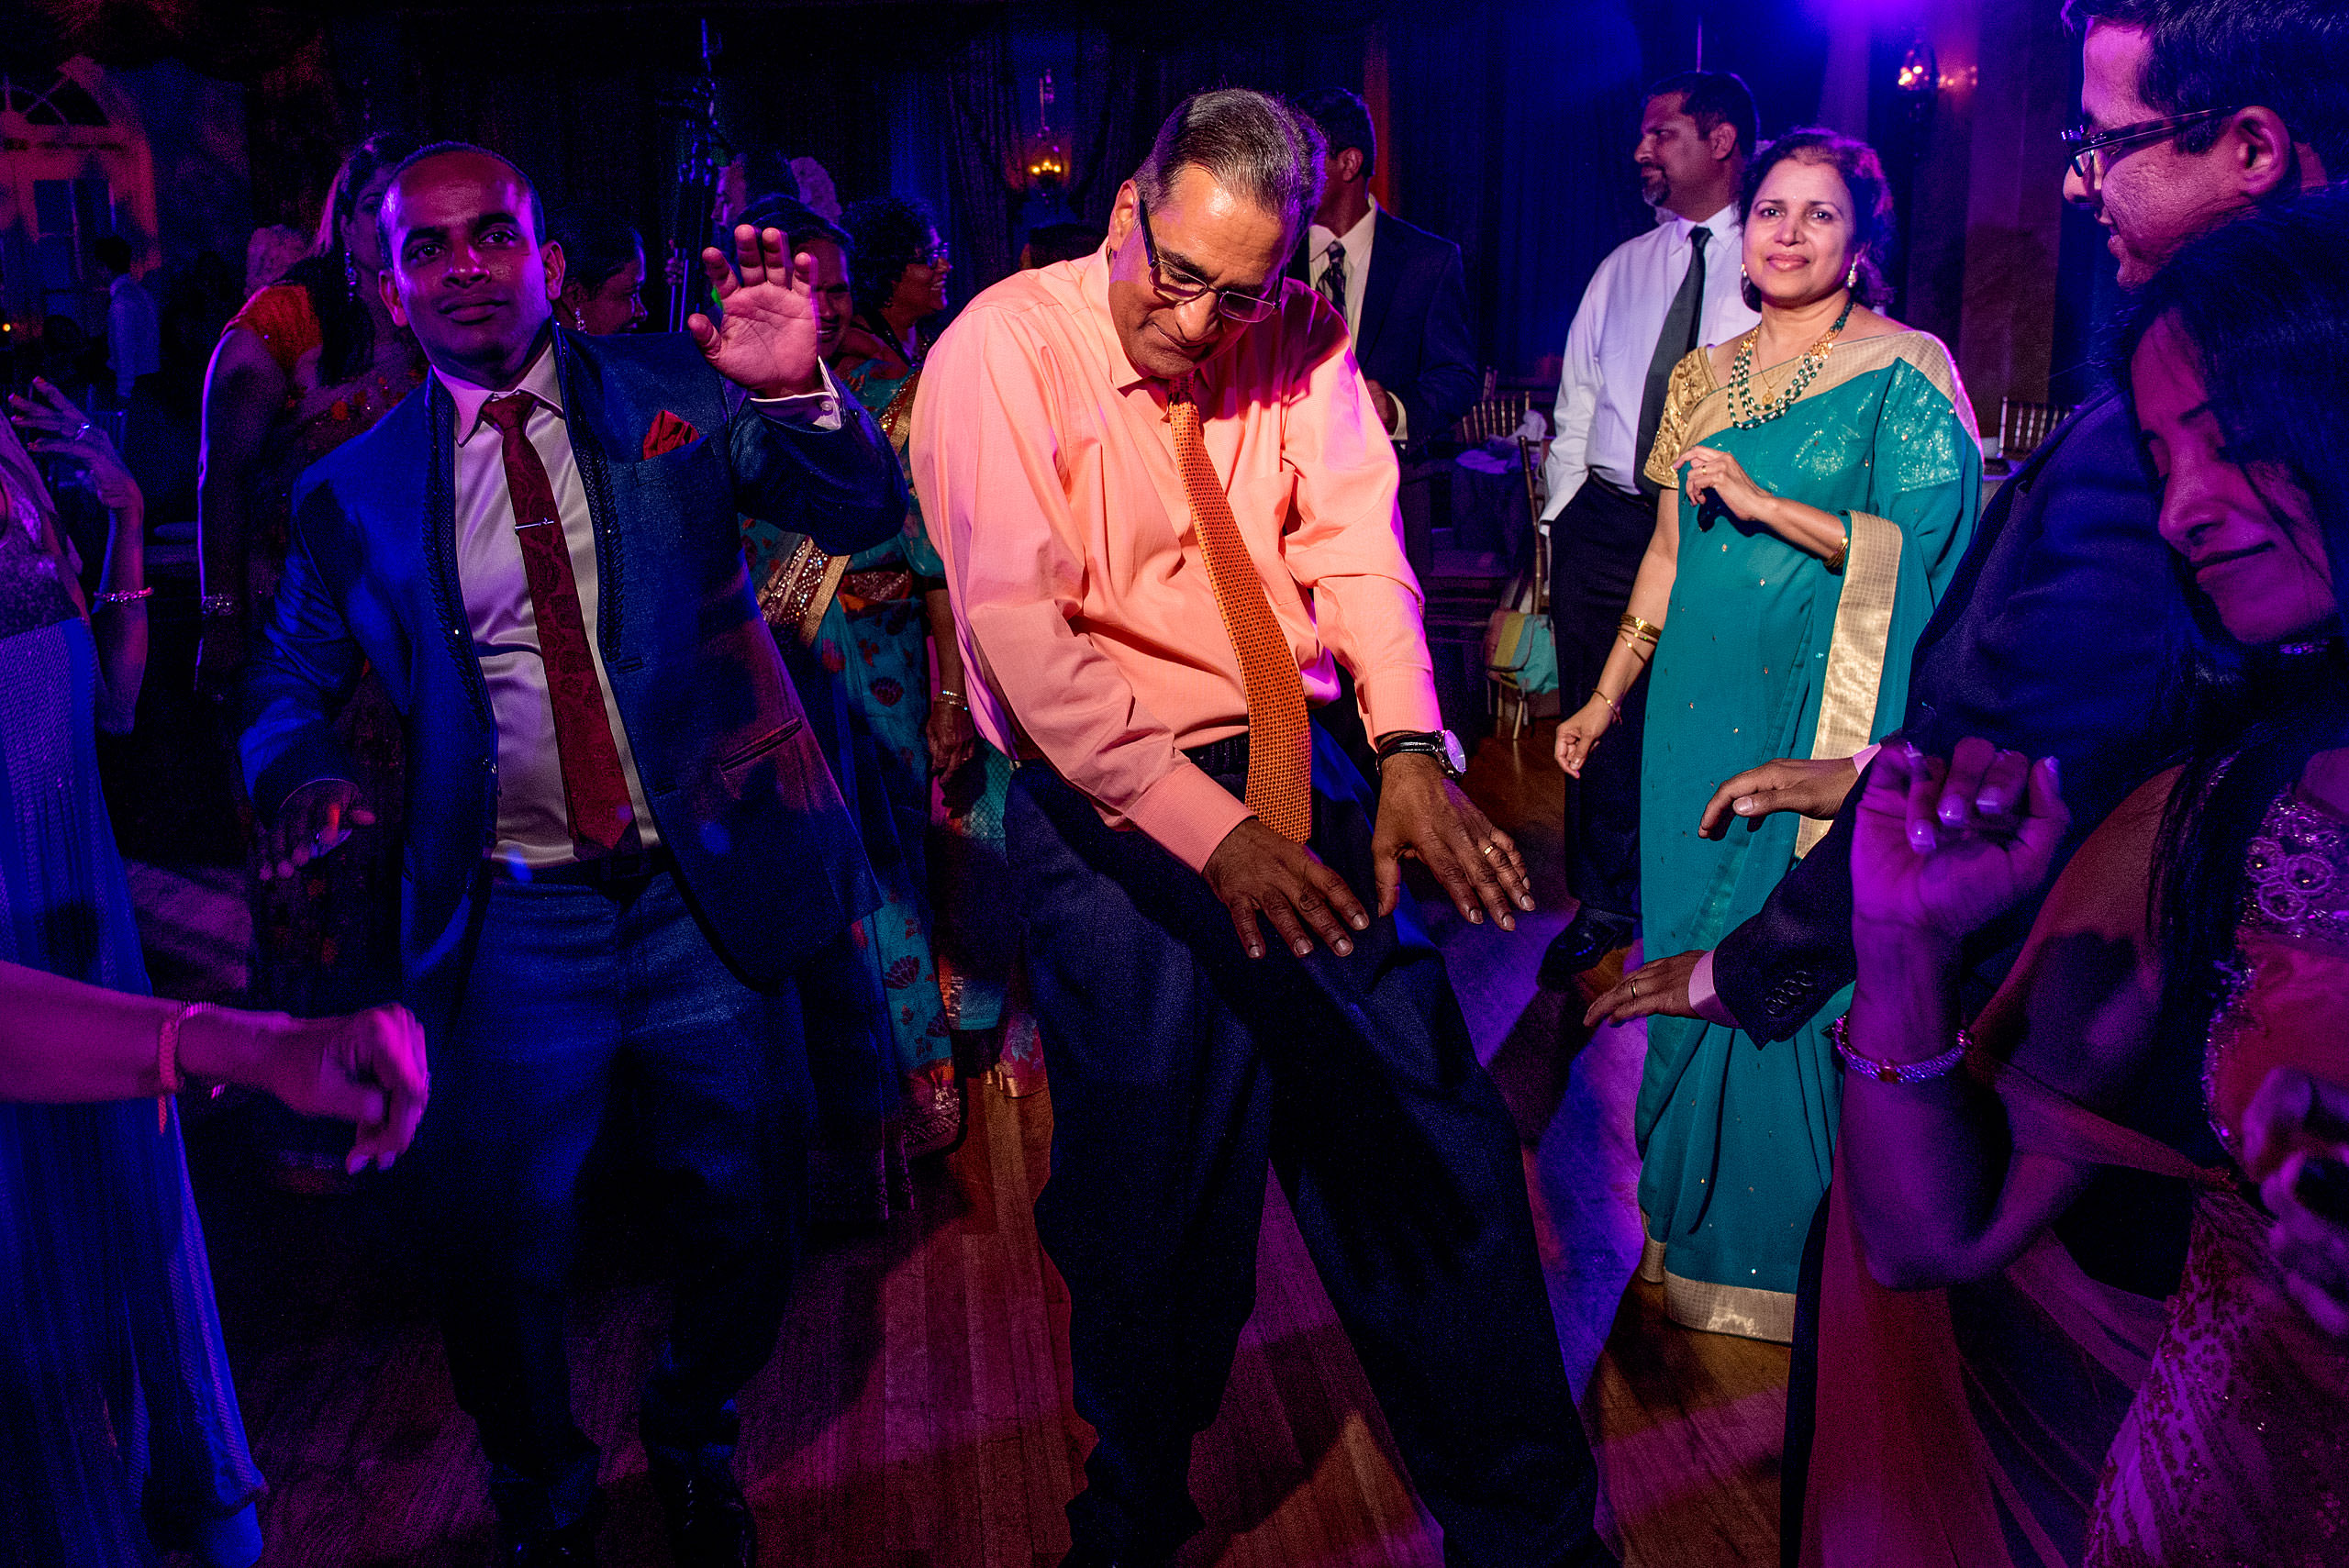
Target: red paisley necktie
{"type": "Point", "coordinates": [595, 790]}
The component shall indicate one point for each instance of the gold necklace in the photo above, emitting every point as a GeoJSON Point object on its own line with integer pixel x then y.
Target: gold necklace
{"type": "Point", "coordinates": [1740, 375]}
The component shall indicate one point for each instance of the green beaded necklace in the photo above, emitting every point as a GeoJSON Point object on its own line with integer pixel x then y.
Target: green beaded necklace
{"type": "Point", "coordinates": [1740, 375]}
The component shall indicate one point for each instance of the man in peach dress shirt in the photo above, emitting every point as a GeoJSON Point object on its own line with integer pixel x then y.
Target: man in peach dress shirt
{"type": "Point", "coordinates": [1185, 1048]}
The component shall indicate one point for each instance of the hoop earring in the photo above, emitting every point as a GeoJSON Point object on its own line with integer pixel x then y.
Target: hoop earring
{"type": "Point", "coordinates": [350, 276]}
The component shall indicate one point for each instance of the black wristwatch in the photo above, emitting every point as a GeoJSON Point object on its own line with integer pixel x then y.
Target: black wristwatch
{"type": "Point", "coordinates": [1441, 744]}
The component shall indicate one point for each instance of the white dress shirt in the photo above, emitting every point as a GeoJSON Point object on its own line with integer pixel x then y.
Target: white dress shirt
{"type": "Point", "coordinates": [1357, 241]}
{"type": "Point", "coordinates": [533, 821]}
{"type": "Point", "coordinates": [1613, 338]}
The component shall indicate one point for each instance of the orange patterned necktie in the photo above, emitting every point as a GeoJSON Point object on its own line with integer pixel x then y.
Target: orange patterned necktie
{"type": "Point", "coordinates": [1280, 740]}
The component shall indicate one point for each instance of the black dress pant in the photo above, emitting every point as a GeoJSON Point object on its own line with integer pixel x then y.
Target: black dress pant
{"type": "Point", "coordinates": [1596, 543]}
{"type": "Point", "coordinates": [1179, 1066]}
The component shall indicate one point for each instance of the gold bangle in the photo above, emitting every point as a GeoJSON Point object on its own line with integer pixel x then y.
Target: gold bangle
{"type": "Point", "coordinates": [1639, 630]}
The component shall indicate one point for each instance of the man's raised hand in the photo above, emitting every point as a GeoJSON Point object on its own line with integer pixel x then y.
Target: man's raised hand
{"type": "Point", "coordinates": [767, 339]}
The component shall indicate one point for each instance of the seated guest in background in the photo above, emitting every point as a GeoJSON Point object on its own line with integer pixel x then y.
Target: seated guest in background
{"type": "Point", "coordinates": [2176, 1010]}
{"type": "Point", "coordinates": [307, 364]}
{"type": "Point", "coordinates": [1831, 473]}
{"type": "Point", "coordinates": [1060, 242]}
{"type": "Point", "coordinates": [1653, 301]}
{"type": "Point", "coordinates": [898, 270]}
{"type": "Point", "coordinates": [610, 791]}
{"type": "Point", "coordinates": [123, 1438]}
{"type": "Point", "coordinates": [1167, 512]}
{"type": "Point", "coordinates": [861, 625]}
{"type": "Point", "coordinates": [134, 331]}
{"type": "Point", "coordinates": [1400, 289]}
{"type": "Point", "coordinates": [603, 272]}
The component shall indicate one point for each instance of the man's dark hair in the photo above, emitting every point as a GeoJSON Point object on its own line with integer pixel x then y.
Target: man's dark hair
{"type": "Point", "coordinates": [1345, 121]}
{"type": "Point", "coordinates": [2292, 56]}
{"type": "Point", "coordinates": [596, 245]}
{"type": "Point", "coordinates": [890, 234]}
{"type": "Point", "coordinates": [766, 173]}
{"type": "Point", "coordinates": [1063, 242]}
{"type": "Point", "coordinates": [800, 223]}
{"type": "Point", "coordinates": [442, 150]}
{"type": "Point", "coordinates": [1249, 142]}
{"type": "Point", "coordinates": [1863, 172]}
{"type": "Point", "coordinates": [113, 253]}
{"type": "Point", "coordinates": [1713, 98]}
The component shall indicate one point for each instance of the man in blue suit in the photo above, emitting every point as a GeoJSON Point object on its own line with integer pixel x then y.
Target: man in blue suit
{"type": "Point", "coordinates": [610, 783]}
{"type": "Point", "coordinates": [1400, 289]}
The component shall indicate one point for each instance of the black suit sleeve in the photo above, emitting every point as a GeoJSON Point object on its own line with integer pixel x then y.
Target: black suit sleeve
{"type": "Point", "coordinates": [1775, 971]}
{"type": "Point", "coordinates": [1448, 383]}
{"type": "Point", "coordinates": [841, 488]}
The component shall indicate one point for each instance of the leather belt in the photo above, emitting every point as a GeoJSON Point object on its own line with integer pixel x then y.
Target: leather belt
{"type": "Point", "coordinates": [602, 872]}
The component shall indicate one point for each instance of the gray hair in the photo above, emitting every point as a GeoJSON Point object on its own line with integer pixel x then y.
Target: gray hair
{"type": "Point", "coordinates": [1249, 142]}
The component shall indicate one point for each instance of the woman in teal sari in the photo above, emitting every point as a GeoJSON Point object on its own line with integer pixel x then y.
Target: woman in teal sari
{"type": "Point", "coordinates": [1813, 511]}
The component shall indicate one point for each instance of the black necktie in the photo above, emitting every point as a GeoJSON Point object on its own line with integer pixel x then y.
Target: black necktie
{"type": "Point", "coordinates": [1334, 279]}
{"type": "Point", "coordinates": [1675, 343]}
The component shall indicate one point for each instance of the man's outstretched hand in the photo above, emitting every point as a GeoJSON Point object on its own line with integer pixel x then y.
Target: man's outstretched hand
{"type": "Point", "coordinates": [1424, 814]}
{"type": "Point", "coordinates": [1257, 872]}
{"type": "Point", "coordinates": [767, 339]}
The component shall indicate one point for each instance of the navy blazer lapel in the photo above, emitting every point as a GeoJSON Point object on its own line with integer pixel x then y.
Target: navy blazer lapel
{"type": "Point", "coordinates": [454, 632]}
{"type": "Point", "coordinates": [1387, 264]}
{"type": "Point", "coordinates": [583, 417]}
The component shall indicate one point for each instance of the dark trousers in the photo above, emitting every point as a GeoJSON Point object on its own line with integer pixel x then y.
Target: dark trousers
{"type": "Point", "coordinates": [579, 994]}
{"type": "Point", "coordinates": [1596, 543]}
{"type": "Point", "coordinates": [1179, 1065]}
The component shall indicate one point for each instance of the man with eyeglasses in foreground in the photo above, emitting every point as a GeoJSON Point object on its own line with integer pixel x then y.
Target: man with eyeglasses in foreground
{"type": "Point", "coordinates": [1167, 508]}
{"type": "Point", "coordinates": [2065, 632]}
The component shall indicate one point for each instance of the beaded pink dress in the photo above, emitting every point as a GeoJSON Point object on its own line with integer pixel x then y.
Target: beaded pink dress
{"type": "Point", "coordinates": [2041, 1419]}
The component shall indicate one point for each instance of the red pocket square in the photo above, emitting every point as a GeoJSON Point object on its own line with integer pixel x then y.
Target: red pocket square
{"type": "Point", "coordinates": [668, 433]}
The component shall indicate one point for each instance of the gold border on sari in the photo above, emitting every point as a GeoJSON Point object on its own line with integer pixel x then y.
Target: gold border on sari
{"type": "Point", "coordinates": [1709, 1308]}
{"type": "Point", "coordinates": [799, 589]}
{"type": "Point", "coordinates": [1697, 408]}
{"type": "Point", "coordinates": [800, 586]}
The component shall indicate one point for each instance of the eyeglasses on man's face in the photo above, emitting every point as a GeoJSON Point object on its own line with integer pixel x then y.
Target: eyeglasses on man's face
{"type": "Point", "coordinates": [1179, 290]}
{"type": "Point", "coordinates": [2093, 152]}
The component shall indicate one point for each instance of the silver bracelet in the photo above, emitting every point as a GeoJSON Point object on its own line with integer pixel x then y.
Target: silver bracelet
{"type": "Point", "coordinates": [1942, 1066]}
{"type": "Point", "coordinates": [127, 595]}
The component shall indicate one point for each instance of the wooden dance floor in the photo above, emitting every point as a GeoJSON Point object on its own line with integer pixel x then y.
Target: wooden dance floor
{"type": "Point", "coordinates": [918, 1413]}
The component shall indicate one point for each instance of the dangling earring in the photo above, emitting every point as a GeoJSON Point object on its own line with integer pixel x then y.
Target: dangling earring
{"type": "Point", "coordinates": [1852, 278]}
{"type": "Point", "coordinates": [350, 275]}
{"type": "Point", "coordinates": [579, 318]}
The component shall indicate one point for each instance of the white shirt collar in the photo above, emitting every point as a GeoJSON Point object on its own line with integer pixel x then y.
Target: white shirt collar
{"type": "Point", "coordinates": [1356, 240]}
{"type": "Point", "coordinates": [1721, 222]}
{"type": "Point", "coordinates": [540, 381]}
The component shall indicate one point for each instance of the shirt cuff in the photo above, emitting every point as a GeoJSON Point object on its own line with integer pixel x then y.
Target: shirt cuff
{"type": "Point", "coordinates": [817, 410]}
{"type": "Point", "coordinates": [1188, 812]}
{"type": "Point", "coordinates": [1864, 756]}
{"type": "Point", "coordinates": [1402, 432]}
{"type": "Point", "coordinates": [1703, 1000]}
{"type": "Point", "coordinates": [1399, 699]}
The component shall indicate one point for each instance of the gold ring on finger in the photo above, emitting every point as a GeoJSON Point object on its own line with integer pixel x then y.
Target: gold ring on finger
{"type": "Point", "coordinates": [1489, 849]}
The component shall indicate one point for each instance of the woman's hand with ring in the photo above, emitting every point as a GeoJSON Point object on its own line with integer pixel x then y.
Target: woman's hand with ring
{"type": "Point", "coordinates": [1715, 473]}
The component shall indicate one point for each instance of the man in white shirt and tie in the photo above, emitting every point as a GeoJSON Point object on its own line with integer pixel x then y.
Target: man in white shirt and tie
{"type": "Point", "coordinates": [1651, 301]}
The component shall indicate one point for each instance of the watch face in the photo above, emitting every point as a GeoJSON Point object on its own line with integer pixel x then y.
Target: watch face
{"type": "Point", "coordinates": [1453, 753]}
